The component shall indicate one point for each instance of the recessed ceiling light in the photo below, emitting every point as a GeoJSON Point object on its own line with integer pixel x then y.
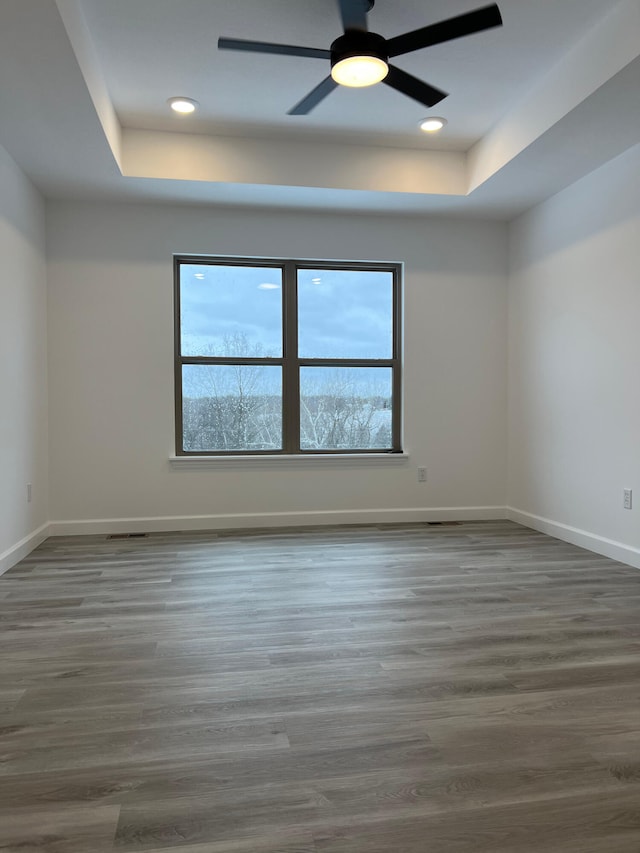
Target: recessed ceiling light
{"type": "Point", "coordinates": [184, 106]}
{"type": "Point", "coordinates": [433, 124]}
{"type": "Point", "coordinates": [268, 286]}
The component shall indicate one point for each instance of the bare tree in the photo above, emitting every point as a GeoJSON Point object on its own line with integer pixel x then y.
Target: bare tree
{"type": "Point", "coordinates": [338, 412]}
{"type": "Point", "coordinates": [228, 406]}
{"type": "Point", "coordinates": [233, 407]}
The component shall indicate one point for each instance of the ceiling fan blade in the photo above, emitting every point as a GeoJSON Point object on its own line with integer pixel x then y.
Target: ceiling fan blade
{"type": "Point", "coordinates": [413, 88]}
{"type": "Point", "coordinates": [453, 28]}
{"type": "Point", "coordinates": [354, 14]}
{"type": "Point", "coordinates": [269, 47]}
{"type": "Point", "coordinates": [314, 97]}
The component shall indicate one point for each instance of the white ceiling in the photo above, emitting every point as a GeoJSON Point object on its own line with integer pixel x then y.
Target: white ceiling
{"type": "Point", "coordinates": [152, 49]}
{"type": "Point", "coordinates": [85, 85]}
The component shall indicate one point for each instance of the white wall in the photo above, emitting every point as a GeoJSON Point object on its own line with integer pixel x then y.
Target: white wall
{"type": "Point", "coordinates": [23, 371]}
{"type": "Point", "coordinates": [111, 365]}
{"type": "Point", "coordinates": [574, 361]}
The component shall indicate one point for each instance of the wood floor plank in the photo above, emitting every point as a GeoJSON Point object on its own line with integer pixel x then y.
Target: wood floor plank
{"type": "Point", "coordinates": [287, 841]}
{"type": "Point", "coordinates": [76, 830]}
{"type": "Point", "coordinates": [562, 825]}
{"type": "Point", "coordinates": [384, 689]}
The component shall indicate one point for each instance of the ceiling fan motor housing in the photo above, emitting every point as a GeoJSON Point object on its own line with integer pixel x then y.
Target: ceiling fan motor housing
{"type": "Point", "coordinates": [357, 43]}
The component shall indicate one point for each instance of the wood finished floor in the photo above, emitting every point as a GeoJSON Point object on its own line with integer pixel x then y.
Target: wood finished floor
{"type": "Point", "coordinates": [414, 689]}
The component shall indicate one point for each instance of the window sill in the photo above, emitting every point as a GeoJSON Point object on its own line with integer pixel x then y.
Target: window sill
{"type": "Point", "coordinates": [329, 460]}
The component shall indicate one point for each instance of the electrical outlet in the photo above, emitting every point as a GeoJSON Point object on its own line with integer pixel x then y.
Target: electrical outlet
{"type": "Point", "coordinates": [627, 499]}
{"type": "Point", "coordinates": [28, 493]}
{"type": "Point", "coordinates": [422, 475]}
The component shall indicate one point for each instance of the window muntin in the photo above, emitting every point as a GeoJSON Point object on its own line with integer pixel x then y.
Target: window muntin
{"type": "Point", "coordinates": [286, 356]}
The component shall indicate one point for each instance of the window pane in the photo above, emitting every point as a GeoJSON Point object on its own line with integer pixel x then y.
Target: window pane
{"type": "Point", "coordinates": [345, 314]}
{"type": "Point", "coordinates": [345, 408]}
{"type": "Point", "coordinates": [230, 311]}
{"type": "Point", "coordinates": [231, 407]}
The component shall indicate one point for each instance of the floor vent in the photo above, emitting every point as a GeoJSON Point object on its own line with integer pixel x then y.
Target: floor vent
{"type": "Point", "coordinates": [127, 536]}
{"type": "Point", "coordinates": [443, 523]}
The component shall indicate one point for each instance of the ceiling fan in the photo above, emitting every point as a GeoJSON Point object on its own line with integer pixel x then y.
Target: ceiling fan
{"type": "Point", "coordinates": [360, 58]}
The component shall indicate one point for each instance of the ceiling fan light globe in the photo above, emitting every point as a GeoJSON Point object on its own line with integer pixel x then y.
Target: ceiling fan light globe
{"type": "Point", "coordinates": [359, 71]}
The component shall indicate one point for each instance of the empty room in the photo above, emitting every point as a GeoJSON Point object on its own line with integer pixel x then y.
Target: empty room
{"type": "Point", "coordinates": [320, 421]}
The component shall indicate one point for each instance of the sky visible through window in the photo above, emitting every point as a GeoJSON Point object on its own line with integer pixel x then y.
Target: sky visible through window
{"type": "Point", "coordinates": [225, 306]}
{"type": "Point", "coordinates": [342, 313]}
{"type": "Point", "coordinates": [345, 314]}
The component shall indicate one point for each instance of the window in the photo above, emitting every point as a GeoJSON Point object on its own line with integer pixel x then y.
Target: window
{"type": "Point", "coordinates": [286, 357]}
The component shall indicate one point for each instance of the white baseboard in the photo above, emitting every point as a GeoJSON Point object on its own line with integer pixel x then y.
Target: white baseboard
{"type": "Point", "coordinates": [591, 541]}
{"type": "Point", "coordinates": [23, 548]}
{"type": "Point", "coordinates": [274, 519]}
